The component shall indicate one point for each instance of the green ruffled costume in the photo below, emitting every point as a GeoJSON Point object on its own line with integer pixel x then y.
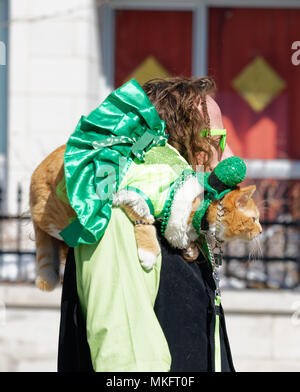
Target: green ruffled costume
{"type": "Point", "coordinates": [99, 153]}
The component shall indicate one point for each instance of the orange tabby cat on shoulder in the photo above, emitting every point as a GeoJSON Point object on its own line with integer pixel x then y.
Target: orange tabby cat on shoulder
{"type": "Point", "coordinates": [51, 214]}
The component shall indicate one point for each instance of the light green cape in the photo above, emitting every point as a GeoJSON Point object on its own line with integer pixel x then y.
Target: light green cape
{"type": "Point", "coordinates": [117, 299]}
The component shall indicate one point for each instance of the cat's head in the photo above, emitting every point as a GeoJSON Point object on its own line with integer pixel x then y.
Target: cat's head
{"type": "Point", "coordinates": [238, 216]}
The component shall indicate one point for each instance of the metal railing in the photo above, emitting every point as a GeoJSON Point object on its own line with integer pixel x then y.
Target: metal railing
{"type": "Point", "coordinates": [275, 263]}
{"type": "Point", "coordinates": [17, 252]}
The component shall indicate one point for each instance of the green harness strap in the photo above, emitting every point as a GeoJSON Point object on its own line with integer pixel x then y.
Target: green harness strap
{"type": "Point", "coordinates": [223, 179]}
{"type": "Point", "coordinates": [217, 302]}
{"type": "Point", "coordinates": [218, 367]}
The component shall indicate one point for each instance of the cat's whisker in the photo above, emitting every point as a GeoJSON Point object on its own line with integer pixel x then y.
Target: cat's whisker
{"type": "Point", "coordinates": [255, 252]}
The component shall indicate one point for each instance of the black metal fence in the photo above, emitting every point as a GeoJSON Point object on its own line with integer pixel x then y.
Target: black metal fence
{"type": "Point", "coordinates": [17, 251]}
{"type": "Point", "coordinates": [272, 262]}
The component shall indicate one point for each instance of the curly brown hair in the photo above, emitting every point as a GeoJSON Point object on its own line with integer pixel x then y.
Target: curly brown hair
{"type": "Point", "coordinates": [176, 102]}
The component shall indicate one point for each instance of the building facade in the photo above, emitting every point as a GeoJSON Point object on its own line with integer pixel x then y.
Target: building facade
{"type": "Point", "coordinates": [63, 58]}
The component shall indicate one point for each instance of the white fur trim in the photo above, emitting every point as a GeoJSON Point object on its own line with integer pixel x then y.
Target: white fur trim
{"type": "Point", "coordinates": [147, 259]}
{"type": "Point", "coordinates": [135, 201]}
{"type": "Point", "coordinates": [177, 232]}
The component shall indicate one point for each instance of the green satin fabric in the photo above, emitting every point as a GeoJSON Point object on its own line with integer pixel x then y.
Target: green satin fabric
{"type": "Point", "coordinates": [98, 154]}
{"type": "Point", "coordinates": [154, 177]}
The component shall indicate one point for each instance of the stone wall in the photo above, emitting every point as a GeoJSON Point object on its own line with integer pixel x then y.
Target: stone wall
{"type": "Point", "coordinates": [29, 328]}
{"type": "Point", "coordinates": [263, 329]}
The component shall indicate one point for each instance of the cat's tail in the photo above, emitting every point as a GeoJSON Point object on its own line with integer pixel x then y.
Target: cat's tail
{"type": "Point", "coordinates": [48, 260]}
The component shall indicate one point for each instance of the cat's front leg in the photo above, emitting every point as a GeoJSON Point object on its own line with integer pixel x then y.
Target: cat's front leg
{"type": "Point", "coordinates": [147, 245]}
{"type": "Point", "coordinates": [138, 212]}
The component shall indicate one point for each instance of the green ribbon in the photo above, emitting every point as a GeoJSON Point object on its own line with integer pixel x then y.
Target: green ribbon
{"type": "Point", "coordinates": [216, 132]}
{"type": "Point", "coordinates": [212, 193]}
{"type": "Point", "coordinates": [218, 359]}
{"type": "Point", "coordinates": [146, 141]}
{"type": "Point", "coordinates": [217, 303]}
{"type": "Point", "coordinates": [139, 146]}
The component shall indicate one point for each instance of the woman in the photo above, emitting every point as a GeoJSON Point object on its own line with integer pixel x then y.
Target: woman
{"type": "Point", "coordinates": [164, 319]}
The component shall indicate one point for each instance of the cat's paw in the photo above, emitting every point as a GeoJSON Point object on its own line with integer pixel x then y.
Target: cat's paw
{"type": "Point", "coordinates": [147, 259]}
{"type": "Point", "coordinates": [47, 281]}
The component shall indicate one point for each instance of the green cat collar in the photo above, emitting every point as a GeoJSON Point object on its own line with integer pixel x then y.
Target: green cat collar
{"type": "Point", "coordinates": [216, 132]}
{"type": "Point", "coordinates": [224, 178]}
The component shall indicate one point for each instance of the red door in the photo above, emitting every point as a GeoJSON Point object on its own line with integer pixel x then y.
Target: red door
{"type": "Point", "coordinates": [152, 44]}
{"type": "Point", "coordinates": [250, 57]}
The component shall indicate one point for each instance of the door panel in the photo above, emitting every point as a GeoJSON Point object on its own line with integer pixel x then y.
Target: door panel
{"type": "Point", "coordinates": [257, 42]}
{"type": "Point", "coordinates": [151, 44]}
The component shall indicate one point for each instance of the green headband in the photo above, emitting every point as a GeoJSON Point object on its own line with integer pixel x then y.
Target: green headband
{"type": "Point", "coordinates": [216, 132]}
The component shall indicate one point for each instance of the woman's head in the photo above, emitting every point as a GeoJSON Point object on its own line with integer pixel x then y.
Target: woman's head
{"type": "Point", "coordinates": [182, 104]}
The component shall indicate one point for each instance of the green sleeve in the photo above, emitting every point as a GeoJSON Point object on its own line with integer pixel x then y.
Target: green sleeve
{"type": "Point", "coordinates": [117, 298]}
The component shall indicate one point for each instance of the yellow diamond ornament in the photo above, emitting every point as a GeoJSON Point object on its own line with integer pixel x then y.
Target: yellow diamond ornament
{"type": "Point", "coordinates": [258, 84]}
{"type": "Point", "coordinates": [149, 69]}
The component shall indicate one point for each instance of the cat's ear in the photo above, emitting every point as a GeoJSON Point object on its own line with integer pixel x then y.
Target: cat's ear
{"type": "Point", "coordinates": [243, 196]}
